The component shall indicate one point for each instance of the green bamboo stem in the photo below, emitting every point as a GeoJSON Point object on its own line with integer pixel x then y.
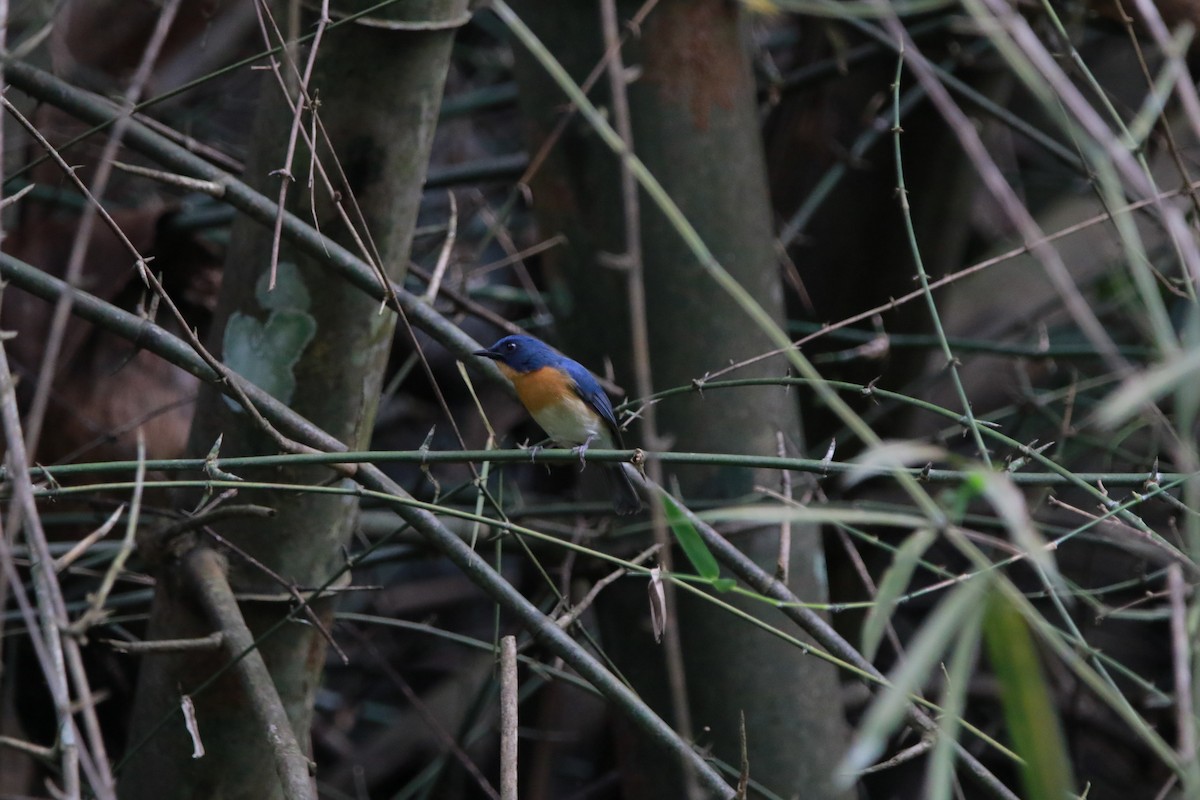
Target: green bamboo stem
{"type": "Point", "coordinates": [951, 363]}
{"type": "Point", "coordinates": [963, 344]}
{"type": "Point", "coordinates": [153, 338]}
{"type": "Point", "coordinates": [561, 456]}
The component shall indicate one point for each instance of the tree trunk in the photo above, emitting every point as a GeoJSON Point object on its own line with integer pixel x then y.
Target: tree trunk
{"type": "Point", "coordinates": [321, 345]}
{"type": "Point", "coordinates": [695, 126]}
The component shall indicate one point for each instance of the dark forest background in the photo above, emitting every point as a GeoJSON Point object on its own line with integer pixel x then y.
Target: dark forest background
{"type": "Point", "coordinates": [896, 302]}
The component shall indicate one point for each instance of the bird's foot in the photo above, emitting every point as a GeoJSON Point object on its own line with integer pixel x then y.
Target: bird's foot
{"type": "Point", "coordinates": [581, 451]}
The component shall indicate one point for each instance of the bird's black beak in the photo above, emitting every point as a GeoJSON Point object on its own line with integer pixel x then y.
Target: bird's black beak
{"type": "Point", "coordinates": [487, 354]}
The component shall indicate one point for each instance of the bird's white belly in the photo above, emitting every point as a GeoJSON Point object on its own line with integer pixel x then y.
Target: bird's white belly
{"type": "Point", "coordinates": [572, 422]}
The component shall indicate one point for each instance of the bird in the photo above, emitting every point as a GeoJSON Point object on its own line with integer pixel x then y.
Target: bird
{"type": "Point", "coordinates": [568, 403]}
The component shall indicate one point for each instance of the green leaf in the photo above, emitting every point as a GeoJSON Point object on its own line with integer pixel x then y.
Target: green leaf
{"type": "Point", "coordinates": [1009, 503]}
{"type": "Point", "coordinates": [820, 514]}
{"type": "Point", "coordinates": [689, 540]}
{"type": "Point", "coordinates": [724, 584]}
{"type": "Point", "coordinates": [289, 293]}
{"type": "Point", "coordinates": [939, 780]}
{"type": "Point", "coordinates": [894, 582]}
{"type": "Point", "coordinates": [885, 457]}
{"type": "Point", "coordinates": [1146, 387]}
{"type": "Point", "coordinates": [1033, 726]}
{"type": "Point", "coordinates": [890, 705]}
{"type": "Point", "coordinates": [265, 353]}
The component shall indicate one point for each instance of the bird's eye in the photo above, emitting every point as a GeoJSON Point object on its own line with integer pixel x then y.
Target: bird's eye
{"type": "Point", "coordinates": [510, 346]}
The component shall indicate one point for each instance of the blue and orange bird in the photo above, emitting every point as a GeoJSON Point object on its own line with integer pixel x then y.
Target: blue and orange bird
{"type": "Point", "coordinates": [564, 398]}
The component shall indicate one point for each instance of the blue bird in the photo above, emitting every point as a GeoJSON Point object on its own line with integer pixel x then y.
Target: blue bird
{"type": "Point", "coordinates": [564, 398]}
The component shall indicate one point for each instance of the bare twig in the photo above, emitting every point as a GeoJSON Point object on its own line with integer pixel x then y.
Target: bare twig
{"type": "Point", "coordinates": [784, 559]}
{"type": "Point", "coordinates": [907, 754]}
{"type": "Point", "coordinates": [95, 612]}
{"type": "Point", "coordinates": [535, 163]}
{"type": "Point", "coordinates": [41, 753]}
{"type": "Point", "coordinates": [210, 188]}
{"type": "Point", "coordinates": [1143, 544]}
{"type": "Point", "coordinates": [68, 558]}
{"type": "Point", "coordinates": [302, 102]}
{"type": "Point", "coordinates": [16, 197]}
{"type": "Point", "coordinates": [211, 642]}
{"type": "Point", "coordinates": [210, 154]}
{"type": "Point", "coordinates": [864, 577]}
{"type": "Point", "coordinates": [114, 433]}
{"type": "Point", "coordinates": [521, 255]}
{"type": "Point", "coordinates": [61, 653]}
{"type": "Point", "coordinates": [439, 270]}
{"type": "Point", "coordinates": [568, 618]}
{"type": "Point", "coordinates": [1165, 125]}
{"type": "Point", "coordinates": [361, 239]}
{"type": "Point", "coordinates": [961, 274]}
{"type": "Point", "coordinates": [508, 718]}
{"type": "Point", "coordinates": [1181, 655]}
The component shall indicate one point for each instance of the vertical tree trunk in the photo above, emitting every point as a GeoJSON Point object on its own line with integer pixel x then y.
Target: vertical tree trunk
{"type": "Point", "coordinates": [695, 126]}
{"type": "Point", "coordinates": [321, 345]}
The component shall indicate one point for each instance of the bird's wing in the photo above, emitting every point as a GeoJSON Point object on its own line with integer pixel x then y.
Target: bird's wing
{"type": "Point", "coordinates": [590, 391]}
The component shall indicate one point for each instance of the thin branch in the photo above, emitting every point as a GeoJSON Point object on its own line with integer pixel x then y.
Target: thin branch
{"type": "Point", "coordinates": [62, 654]}
{"type": "Point", "coordinates": [910, 232]}
{"type": "Point", "coordinates": [959, 275]}
{"type": "Point", "coordinates": [362, 240]}
{"type": "Point", "coordinates": [206, 572]}
{"type": "Point", "coordinates": [1181, 655]}
{"type": "Point", "coordinates": [783, 559]}
{"type": "Point", "coordinates": [71, 556]}
{"type": "Point", "coordinates": [572, 615]}
{"type": "Point", "coordinates": [95, 612]}
{"type": "Point", "coordinates": [41, 753]}
{"type": "Point", "coordinates": [16, 196]}
{"type": "Point", "coordinates": [1137, 542]}
{"type": "Point", "coordinates": [439, 270]}
{"type": "Point", "coordinates": [211, 642]}
{"type": "Point", "coordinates": [210, 188]}
{"type": "Point", "coordinates": [302, 102]}
{"type": "Point", "coordinates": [508, 718]}
{"type": "Point", "coordinates": [291, 589]}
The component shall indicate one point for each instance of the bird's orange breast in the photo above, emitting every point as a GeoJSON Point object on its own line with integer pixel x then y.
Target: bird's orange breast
{"type": "Point", "coordinates": [540, 388]}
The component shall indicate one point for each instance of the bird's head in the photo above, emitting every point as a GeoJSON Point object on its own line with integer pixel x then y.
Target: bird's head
{"type": "Point", "coordinates": [520, 354]}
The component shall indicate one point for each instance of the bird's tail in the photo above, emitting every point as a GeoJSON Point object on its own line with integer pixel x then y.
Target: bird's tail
{"type": "Point", "coordinates": [625, 498]}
